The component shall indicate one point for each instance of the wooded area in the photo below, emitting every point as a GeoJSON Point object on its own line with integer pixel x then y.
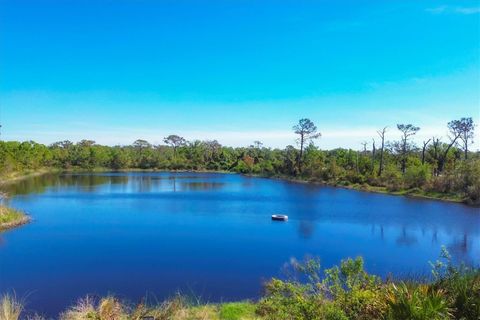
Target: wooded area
{"type": "Point", "coordinates": [441, 165]}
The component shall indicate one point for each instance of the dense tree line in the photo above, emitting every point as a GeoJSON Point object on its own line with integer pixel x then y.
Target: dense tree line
{"type": "Point", "coordinates": [446, 167]}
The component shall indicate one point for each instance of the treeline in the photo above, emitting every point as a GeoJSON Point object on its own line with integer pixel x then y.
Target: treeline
{"type": "Point", "coordinates": [436, 166]}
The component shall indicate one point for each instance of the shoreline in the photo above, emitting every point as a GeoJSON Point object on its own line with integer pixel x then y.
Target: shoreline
{"type": "Point", "coordinates": [14, 224]}
{"type": "Point", "coordinates": [16, 177]}
{"type": "Point", "coordinates": [16, 218]}
{"type": "Point", "coordinates": [409, 193]}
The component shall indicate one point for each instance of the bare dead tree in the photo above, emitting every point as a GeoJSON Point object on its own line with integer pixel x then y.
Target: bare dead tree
{"type": "Point", "coordinates": [456, 130]}
{"type": "Point", "coordinates": [381, 134]}
{"type": "Point", "coordinates": [436, 146]}
{"type": "Point", "coordinates": [364, 144]}
{"type": "Point", "coordinates": [425, 144]}
{"type": "Point", "coordinates": [373, 155]}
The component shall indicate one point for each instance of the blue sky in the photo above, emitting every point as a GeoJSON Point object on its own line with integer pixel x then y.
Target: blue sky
{"type": "Point", "coordinates": [237, 71]}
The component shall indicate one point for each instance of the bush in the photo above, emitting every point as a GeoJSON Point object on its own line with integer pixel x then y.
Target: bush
{"type": "Point", "coordinates": [416, 302]}
{"type": "Point", "coordinates": [289, 300]}
{"type": "Point", "coordinates": [331, 312]}
{"type": "Point", "coordinates": [417, 176]}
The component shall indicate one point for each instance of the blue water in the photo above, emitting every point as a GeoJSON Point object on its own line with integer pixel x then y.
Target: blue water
{"type": "Point", "coordinates": [210, 235]}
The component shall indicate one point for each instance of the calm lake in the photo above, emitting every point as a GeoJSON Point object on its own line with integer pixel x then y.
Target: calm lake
{"type": "Point", "coordinates": [210, 235]}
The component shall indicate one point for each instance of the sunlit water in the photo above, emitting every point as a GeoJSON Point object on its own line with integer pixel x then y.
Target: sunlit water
{"type": "Point", "coordinates": [210, 235]}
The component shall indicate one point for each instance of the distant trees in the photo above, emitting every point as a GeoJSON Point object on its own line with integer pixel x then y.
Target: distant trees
{"type": "Point", "coordinates": [437, 166]}
{"type": "Point", "coordinates": [307, 132]}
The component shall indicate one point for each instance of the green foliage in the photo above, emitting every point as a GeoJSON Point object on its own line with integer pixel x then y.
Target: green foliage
{"type": "Point", "coordinates": [289, 300]}
{"type": "Point", "coordinates": [416, 302]}
{"type": "Point", "coordinates": [417, 176]}
{"type": "Point", "coordinates": [345, 167]}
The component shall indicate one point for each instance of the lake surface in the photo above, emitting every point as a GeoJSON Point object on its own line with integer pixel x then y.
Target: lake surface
{"type": "Point", "coordinates": [210, 235]}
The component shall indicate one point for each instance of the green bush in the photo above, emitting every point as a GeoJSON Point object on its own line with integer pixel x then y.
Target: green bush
{"type": "Point", "coordinates": [416, 302]}
{"type": "Point", "coordinates": [417, 176]}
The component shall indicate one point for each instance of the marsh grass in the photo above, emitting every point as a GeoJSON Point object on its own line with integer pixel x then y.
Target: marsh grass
{"type": "Point", "coordinates": [10, 307]}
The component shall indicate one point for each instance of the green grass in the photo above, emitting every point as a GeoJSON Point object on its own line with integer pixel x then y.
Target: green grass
{"type": "Point", "coordinates": [237, 311]}
{"type": "Point", "coordinates": [10, 218]}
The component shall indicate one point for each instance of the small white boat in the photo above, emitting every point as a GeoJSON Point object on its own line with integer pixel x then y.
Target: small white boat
{"type": "Point", "coordinates": [279, 217]}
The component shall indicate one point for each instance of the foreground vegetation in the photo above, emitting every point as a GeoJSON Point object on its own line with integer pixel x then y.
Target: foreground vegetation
{"type": "Point", "coordinates": [444, 170]}
{"type": "Point", "coordinates": [340, 293]}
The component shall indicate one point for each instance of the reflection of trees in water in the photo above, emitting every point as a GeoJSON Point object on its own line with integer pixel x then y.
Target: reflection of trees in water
{"type": "Point", "coordinates": [405, 239]}
{"type": "Point", "coordinates": [39, 184]}
{"type": "Point", "coordinates": [306, 229]}
{"type": "Point", "coordinates": [459, 249]}
{"type": "Point", "coordinates": [380, 231]}
{"type": "Point", "coordinates": [144, 183]}
{"type": "Point", "coordinates": [198, 186]}
{"type": "Point", "coordinates": [435, 235]}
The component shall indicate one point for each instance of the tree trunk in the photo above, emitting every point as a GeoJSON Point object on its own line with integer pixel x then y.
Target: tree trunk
{"type": "Point", "coordinates": [373, 157]}
{"type": "Point", "coordinates": [380, 169]}
{"type": "Point", "coordinates": [300, 157]}
{"type": "Point", "coordinates": [404, 155]}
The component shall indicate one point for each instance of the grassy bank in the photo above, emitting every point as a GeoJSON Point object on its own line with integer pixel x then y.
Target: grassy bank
{"type": "Point", "coordinates": [16, 176]}
{"type": "Point", "coordinates": [11, 218]}
{"type": "Point", "coordinates": [340, 293]}
{"type": "Point", "coordinates": [412, 192]}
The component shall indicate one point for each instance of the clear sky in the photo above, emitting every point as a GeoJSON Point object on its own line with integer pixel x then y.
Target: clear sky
{"type": "Point", "coordinates": [238, 71]}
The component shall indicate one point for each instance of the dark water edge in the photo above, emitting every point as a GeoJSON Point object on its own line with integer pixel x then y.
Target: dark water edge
{"type": "Point", "coordinates": [210, 234]}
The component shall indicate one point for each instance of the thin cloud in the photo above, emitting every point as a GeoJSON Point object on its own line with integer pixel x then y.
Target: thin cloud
{"type": "Point", "coordinates": [457, 10]}
{"type": "Point", "coordinates": [471, 10]}
{"type": "Point", "coordinates": [437, 10]}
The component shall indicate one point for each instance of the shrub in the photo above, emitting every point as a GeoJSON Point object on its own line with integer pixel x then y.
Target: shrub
{"type": "Point", "coordinates": [289, 300]}
{"type": "Point", "coordinates": [417, 176]}
{"type": "Point", "coordinates": [416, 302]}
{"type": "Point", "coordinates": [461, 286]}
{"type": "Point", "coordinates": [354, 290]}
{"type": "Point", "coordinates": [111, 309]}
{"type": "Point", "coordinates": [331, 312]}
{"type": "Point", "coordinates": [83, 310]}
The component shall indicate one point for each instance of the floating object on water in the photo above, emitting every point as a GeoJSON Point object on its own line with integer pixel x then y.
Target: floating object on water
{"type": "Point", "coordinates": [279, 217]}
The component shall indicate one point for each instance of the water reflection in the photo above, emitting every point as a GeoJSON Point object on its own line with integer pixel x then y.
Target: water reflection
{"type": "Point", "coordinates": [202, 186]}
{"type": "Point", "coordinates": [39, 184]}
{"type": "Point", "coordinates": [306, 229]}
{"type": "Point", "coordinates": [406, 239]}
{"type": "Point", "coordinates": [91, 183]}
